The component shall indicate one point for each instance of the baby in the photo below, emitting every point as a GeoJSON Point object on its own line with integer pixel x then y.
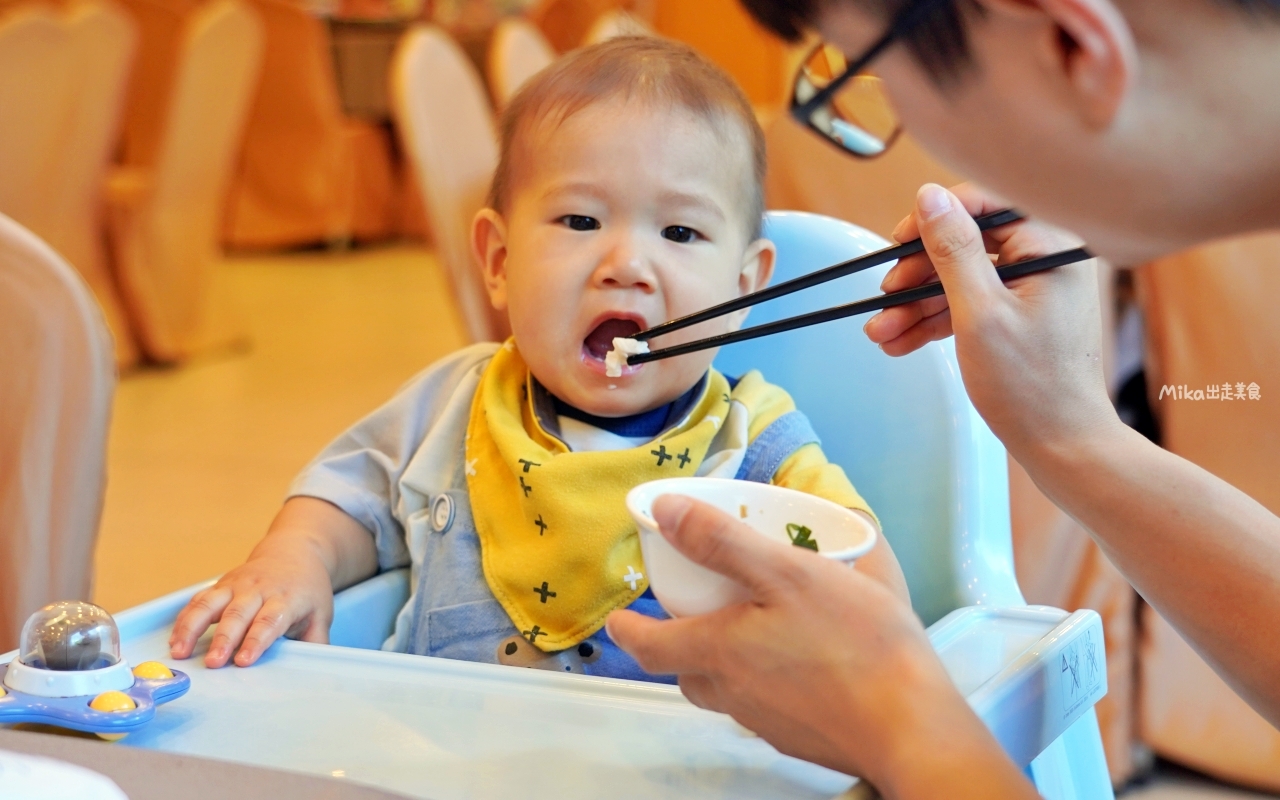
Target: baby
{"type": "Point", "coordinates": [629, 192]}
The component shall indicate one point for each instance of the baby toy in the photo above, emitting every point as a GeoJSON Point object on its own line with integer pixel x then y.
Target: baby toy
{"type": "Point", "coordinates": [69, 673]}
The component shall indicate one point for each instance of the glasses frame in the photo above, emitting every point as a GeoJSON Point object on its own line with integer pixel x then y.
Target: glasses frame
{"type": "Point", "coordinates": [904, 23]}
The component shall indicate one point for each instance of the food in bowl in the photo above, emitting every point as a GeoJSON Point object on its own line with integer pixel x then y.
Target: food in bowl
{"type": "Point", "coordinates": [685, 588]}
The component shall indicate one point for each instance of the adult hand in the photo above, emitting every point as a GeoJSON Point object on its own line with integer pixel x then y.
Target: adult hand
{"type": "Point", "coordinates": [825, 663]}
{"type": "Point", "coordinates": [1030, 352]}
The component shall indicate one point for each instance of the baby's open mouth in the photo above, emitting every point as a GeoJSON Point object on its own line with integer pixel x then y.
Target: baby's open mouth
{"type": "Point", "coordinates": [600, 341]}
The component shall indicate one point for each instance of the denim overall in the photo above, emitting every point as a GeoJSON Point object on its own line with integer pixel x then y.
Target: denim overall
{"type": "Point", "coordinates": [455, 614]}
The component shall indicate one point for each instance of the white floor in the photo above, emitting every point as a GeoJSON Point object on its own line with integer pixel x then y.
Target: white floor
{"type": "Point", "coordinates": [200, 456]}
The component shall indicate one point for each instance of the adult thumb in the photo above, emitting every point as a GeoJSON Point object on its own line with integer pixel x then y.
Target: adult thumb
{"type": "Point", "coordinates": [954, 244]}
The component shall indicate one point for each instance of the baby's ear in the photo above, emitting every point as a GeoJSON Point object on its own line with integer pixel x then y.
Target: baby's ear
{"type": "Point", "coordinates": [489, 249]}
{"type": "Point", "coordinates": [757, 266]}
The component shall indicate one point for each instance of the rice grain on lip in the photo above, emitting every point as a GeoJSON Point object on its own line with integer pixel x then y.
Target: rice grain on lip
{"type": "Point", "coordinates": [616, 359]}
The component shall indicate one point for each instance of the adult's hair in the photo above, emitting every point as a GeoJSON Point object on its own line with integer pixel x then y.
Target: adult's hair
{"type": "Point", "coordinates": [664, 73]}
{"type": "Point", "coordinates": [940, 43]}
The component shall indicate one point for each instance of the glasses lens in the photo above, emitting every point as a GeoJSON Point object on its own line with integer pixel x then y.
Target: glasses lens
{"type": "Point", "coordinates": [858, 117]}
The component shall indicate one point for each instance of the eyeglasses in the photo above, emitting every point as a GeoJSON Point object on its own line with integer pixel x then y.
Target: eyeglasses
{"type": "Point", "coordinates": [843, 102]}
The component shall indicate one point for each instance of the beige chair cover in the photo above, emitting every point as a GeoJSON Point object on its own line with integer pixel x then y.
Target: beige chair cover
{"type": "Point", "coordinates": [166, 221]}
{"type": "Point", "coordinates": [724, 32]}
{"type": "Point", "coordinates": [517, 52]}
{"type": "Point", "coordinates": [566, 23]}
{"type": "Point", "coordinates": [307, 173]}
{"type": "Point", "coordinates": [1211, 320]}
{"type": "Point", "coordinates": [56, 382]}
{"type": "Point", "coordinates": [103, 37]}
{"type": "Point", "coordinates": [808, 174]}
{"type": "Point", "coordinates": [160, 27]}
{"type": "Point", "coordinates": [613, 23]}
{"type": "Point", "coordinates": [444, 121]}
{"type": "Point", "coordinates": [61, 82]}
{"type": "Point", "coordinates": [37, 93]}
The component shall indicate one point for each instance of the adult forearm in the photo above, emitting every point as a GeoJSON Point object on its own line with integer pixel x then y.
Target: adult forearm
{"type": "Point", "coordinates": [949, 752]}
{"type": "Point", "coordinates": [1203, 553]}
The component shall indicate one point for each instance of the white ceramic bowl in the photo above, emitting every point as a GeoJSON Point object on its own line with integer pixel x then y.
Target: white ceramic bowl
{"type": "Point", "coordinates": [685, 588]}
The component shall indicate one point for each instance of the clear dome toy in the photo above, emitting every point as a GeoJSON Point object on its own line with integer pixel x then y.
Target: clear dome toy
{"type": "Point", "coordinates": [69, 672]}
{"type": "Point", "coordinates": [70, 636]}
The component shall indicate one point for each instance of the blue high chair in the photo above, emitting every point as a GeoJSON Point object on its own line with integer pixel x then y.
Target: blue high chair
{"type": "Point", "coordinates": [434, 728]}
{"type": "Point", "coordinates": [906, 434]}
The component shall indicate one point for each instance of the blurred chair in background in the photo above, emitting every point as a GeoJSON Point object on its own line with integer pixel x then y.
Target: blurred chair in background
{"type": "Point", "coordinates": [444, 121]}
{"type": "Point", "coordinates": [808, 174]}
{"type": "Point", "coordinates": [307, 172]}
{"type": "Point", "coordinates": [1211, 322]}
{"type": "Point", "coordinates": [56, 384]}
{"type": "Point", "coordinates": [160, 38]}
{"type": "Point", "coordinates": [723, 31]}
{"type": "Point", "coordinates": [165, 221]}
{"type": "Point", "coordinates": [517, 52]}
{"type": "Point", "coordinates": [566, 23]}
{"type": "Point", "coordinates": [613, 23]}
{"type": "Point", "coordinates": [62, 82]}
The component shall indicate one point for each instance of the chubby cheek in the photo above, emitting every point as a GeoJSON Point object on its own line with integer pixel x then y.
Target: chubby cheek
{"type": "Point", "coordinates": [541, 307]}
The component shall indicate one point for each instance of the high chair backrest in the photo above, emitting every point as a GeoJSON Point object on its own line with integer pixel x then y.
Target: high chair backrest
{"type": "Point", "coordinates": [902, 428]}
{"type": "Point", "coordinates": [445, 123]}
{"type": "Point", "coordinates": [56, 381]}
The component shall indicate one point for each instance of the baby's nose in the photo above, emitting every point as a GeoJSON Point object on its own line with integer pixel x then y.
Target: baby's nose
{"type": "Point", "coordinates": [627, 270]}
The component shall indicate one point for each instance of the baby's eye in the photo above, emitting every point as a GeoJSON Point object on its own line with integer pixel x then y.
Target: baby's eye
{"type": "Point", "coordinates": [679, 234]}
{"type": "Point", "coordinates": [578, 222]}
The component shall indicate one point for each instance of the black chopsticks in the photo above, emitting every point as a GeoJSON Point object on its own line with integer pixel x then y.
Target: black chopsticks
{"type": "Point", "coordinates": [986, 222]}
{"type": "Point", "coordinates": [1006, 273]}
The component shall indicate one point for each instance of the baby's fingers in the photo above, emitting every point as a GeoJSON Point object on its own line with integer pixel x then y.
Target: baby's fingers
{"type": "Point", "coordinates": [236, 619]}
{"type": "Point", "coordinates": [203, 610]}
{"type": "Point", "coordinates": [269, 624]}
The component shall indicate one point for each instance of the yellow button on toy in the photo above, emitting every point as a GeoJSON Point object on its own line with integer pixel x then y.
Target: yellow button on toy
{"type": "Point", "coordinates": [113, 701]}
{"type": "Point", "coordinates": [2, 691]}
{"type": "Point", "coordinates": [153, 671]}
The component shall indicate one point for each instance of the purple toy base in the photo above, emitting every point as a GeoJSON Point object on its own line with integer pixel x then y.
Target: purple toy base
{"type": "Point", "coordinates": [74, 712]}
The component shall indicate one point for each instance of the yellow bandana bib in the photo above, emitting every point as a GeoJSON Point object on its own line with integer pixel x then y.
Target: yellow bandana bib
{"type": "Point", "coordinates": [558, 547]}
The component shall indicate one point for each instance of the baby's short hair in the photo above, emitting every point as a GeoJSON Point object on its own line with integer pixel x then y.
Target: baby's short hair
{"type": "Point", "coordinates": [641, 67]}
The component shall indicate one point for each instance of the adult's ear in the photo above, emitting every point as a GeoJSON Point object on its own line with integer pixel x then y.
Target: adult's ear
{"type": "Point", "coordinates": [489, 249]}
{"type": "Point", "coordinates": [1091, 45]}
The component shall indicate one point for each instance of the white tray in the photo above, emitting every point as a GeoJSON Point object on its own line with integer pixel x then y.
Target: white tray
{"type": "Point", "coordinates": [436, 728]}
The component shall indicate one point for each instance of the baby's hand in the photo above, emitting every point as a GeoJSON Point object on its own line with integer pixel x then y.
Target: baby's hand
{"type": "Point", "coordinates": [285, 591]}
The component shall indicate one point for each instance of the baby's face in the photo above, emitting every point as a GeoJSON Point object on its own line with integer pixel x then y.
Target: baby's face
{"type": "Point", "coordinates": [621, 217]}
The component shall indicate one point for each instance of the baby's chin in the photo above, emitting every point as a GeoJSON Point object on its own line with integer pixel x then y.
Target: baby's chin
{"type": "Point", "coordinates": [602, 396]}
{"type": "Point", "coordinates": [615, 397]}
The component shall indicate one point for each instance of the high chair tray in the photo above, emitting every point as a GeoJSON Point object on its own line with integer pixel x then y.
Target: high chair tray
{"type": "Point", "coordinates": [436, 728]}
